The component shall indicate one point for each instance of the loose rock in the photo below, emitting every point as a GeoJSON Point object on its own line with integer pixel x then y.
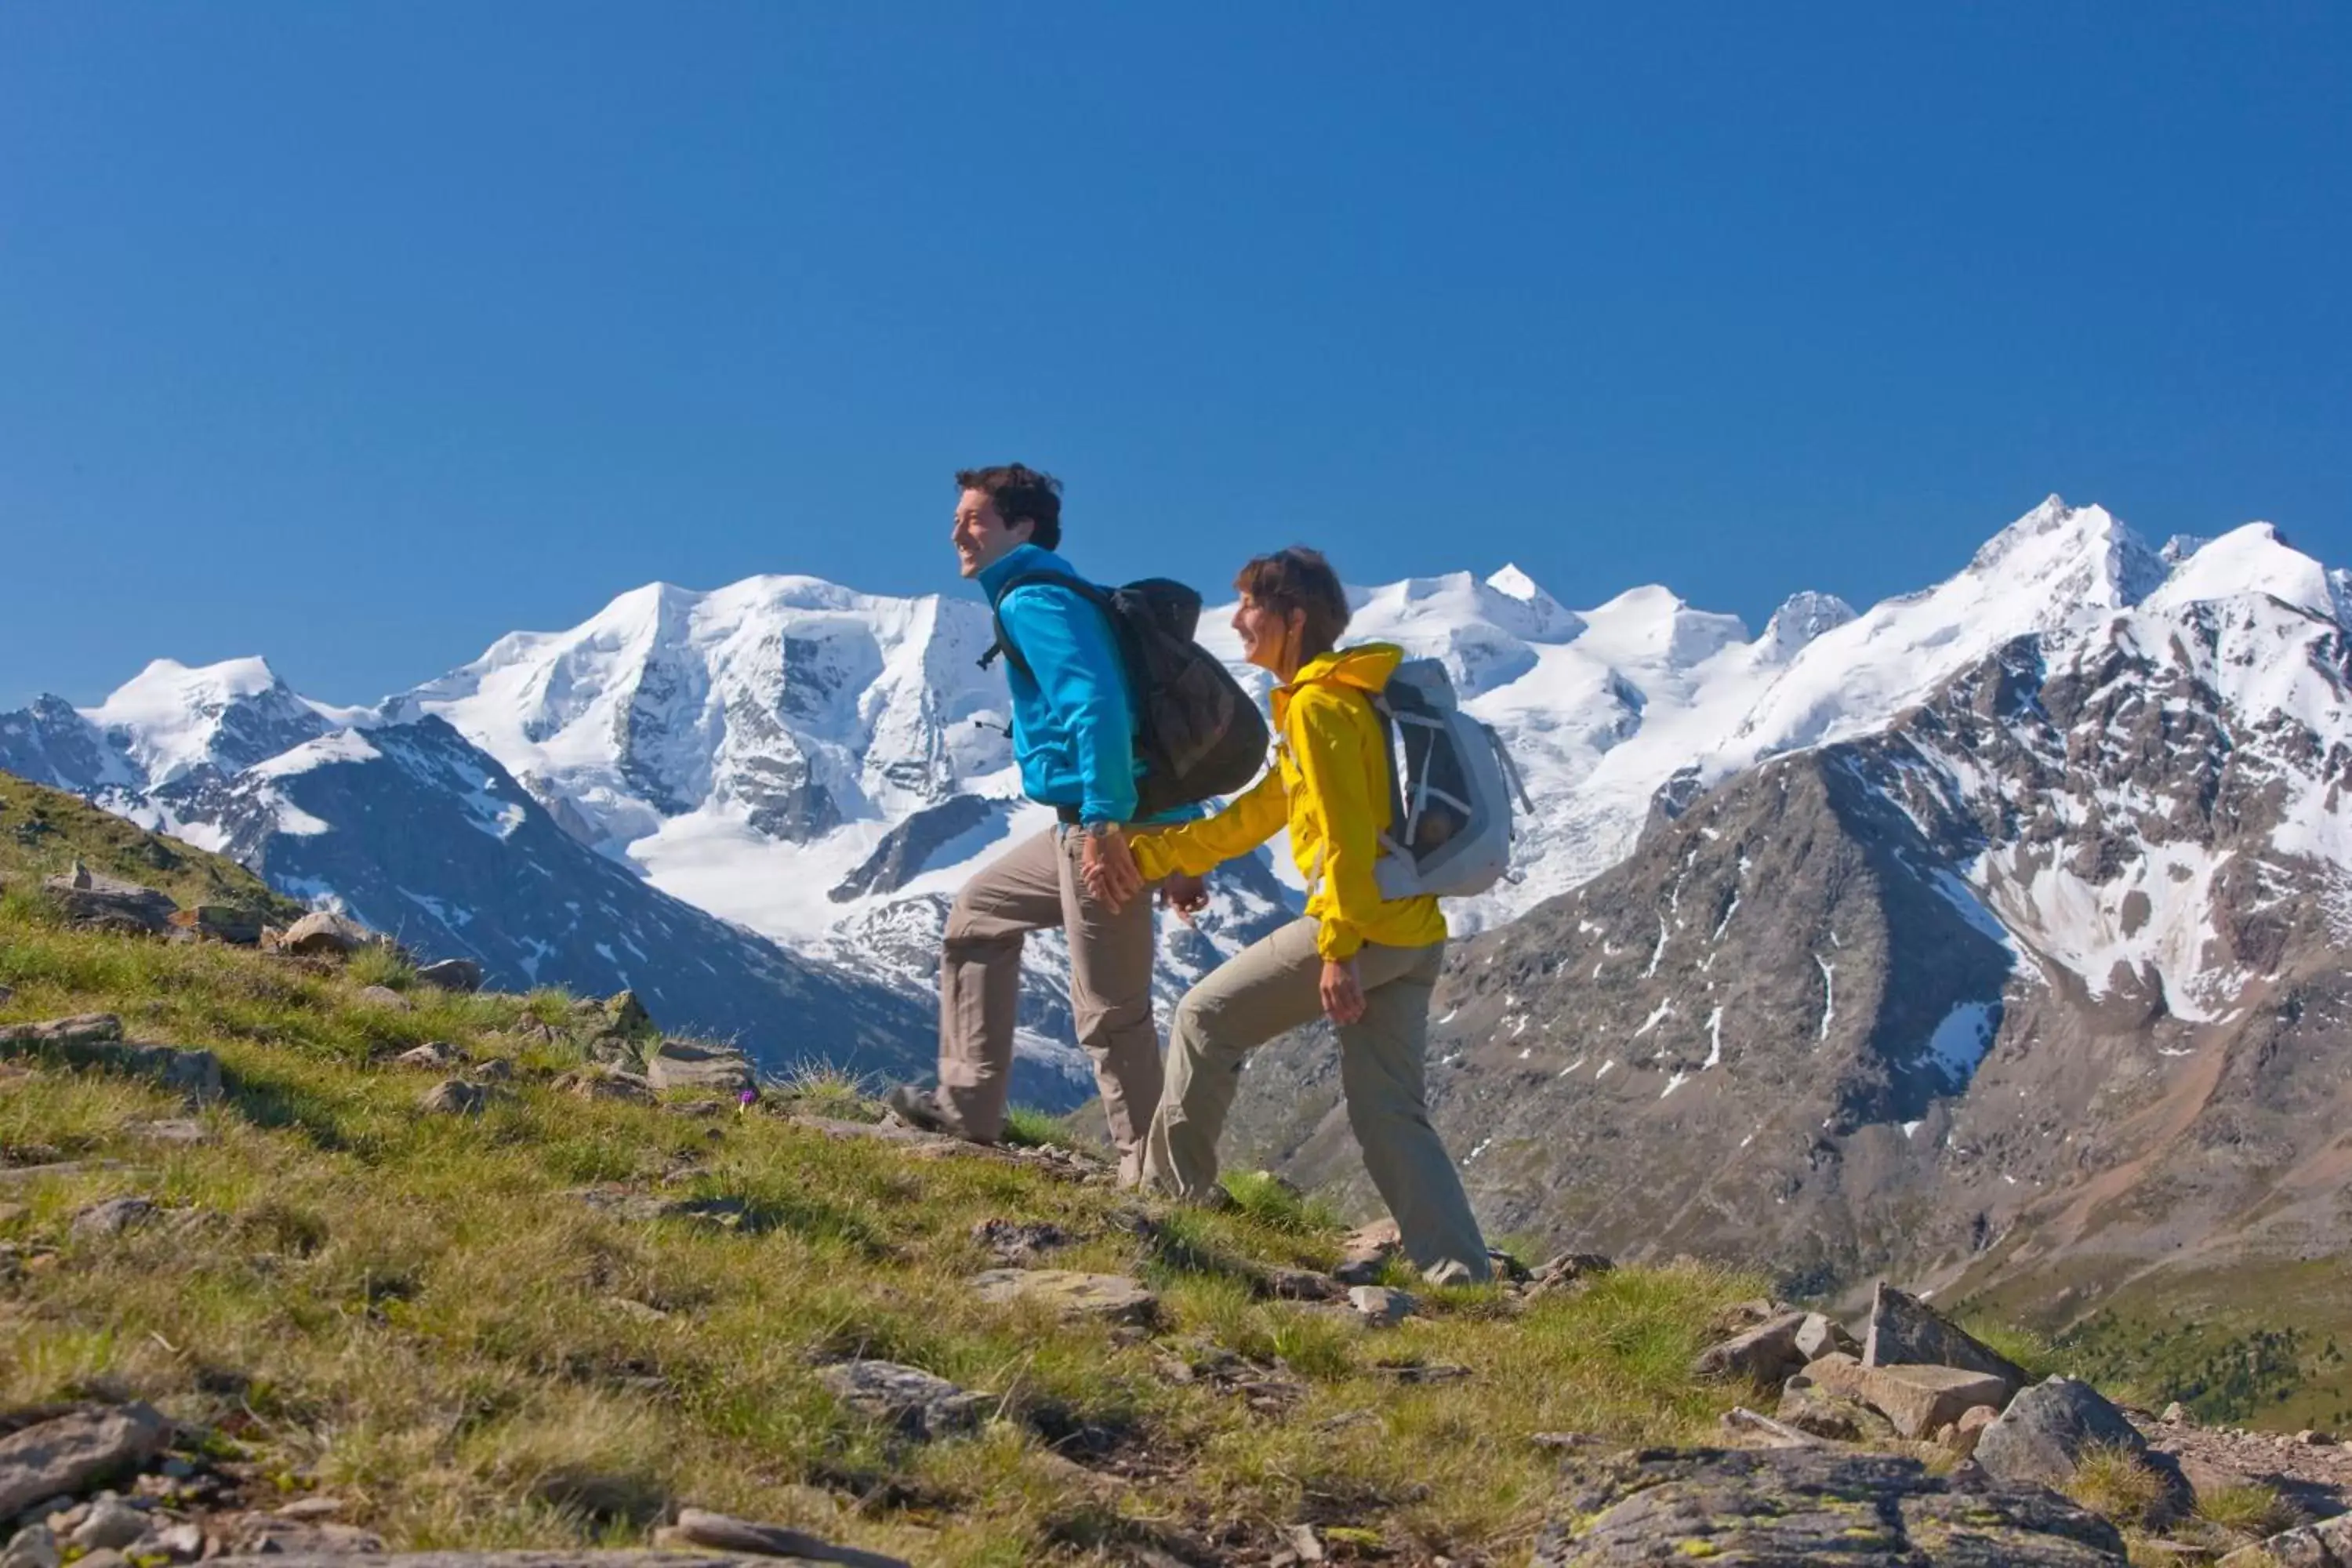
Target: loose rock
{"type": "Point", "coordinates": [453, 975]}
{"type": "Point", "coordinates": [432, 1054]}
{"type": "Point", "coordinates": [1767, 1352]}
{"type": "Point", "coordinates": [69, 1454]}
{"type": "Point", "coordinates": [35, 1546]}
{"type": "Point", "coordinates": [1820, 1336]}
{"type": "Point", "coordinates": [1919, 1399]}
{"type": "Point", "coordinates": [454, 1097]}
{"type": "Point", "coordinates": [1381, 1306]}
{"type": "Point", "coordinates": [1968, 1429]}
{"type": "Point", "coordinates": [1070, 1293]}
{"type": "Point", "coordinates": [1013, 1243]}
{"type": "Point", "coordinates": [683, 1065]}
{"type": "Point", "coordinates": [384, 996]}
{"type": "Point", "coordinates": [89, 899]}
{"type": "Point", "coordinates": [110, 1525]}
{"type": "Point", "coordinates": [113, 1217]}
{"type": "Point", "coordinates": [918, 1405]}
{"type": "Point", "coordinates": [1367, 1251]}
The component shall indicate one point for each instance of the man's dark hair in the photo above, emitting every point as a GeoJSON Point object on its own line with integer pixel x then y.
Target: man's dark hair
{"type": "Point", "coordinates": [1300, 579]}
{"type": "Point", "coordinates": [1020, 491]}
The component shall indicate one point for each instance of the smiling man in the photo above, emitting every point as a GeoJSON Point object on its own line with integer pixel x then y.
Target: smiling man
{"type": "Point", "coordinates": [1074, 738]}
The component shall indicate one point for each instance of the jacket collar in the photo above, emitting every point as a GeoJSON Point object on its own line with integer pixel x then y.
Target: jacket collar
{"type": "Point", "coordinates": [1021, 558]}
{"type": "Point", "coordinates": [1366, 667]}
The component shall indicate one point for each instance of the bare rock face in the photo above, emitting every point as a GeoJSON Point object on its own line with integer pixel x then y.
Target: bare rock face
{"type": "Point", "coordinates": [73, 1452]}
{"type": "Point", "coordinates": [1800, 1508]}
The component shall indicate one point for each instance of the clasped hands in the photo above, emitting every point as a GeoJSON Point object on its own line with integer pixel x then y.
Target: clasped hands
{"type": "Point", "coordinates": [1107, 864]}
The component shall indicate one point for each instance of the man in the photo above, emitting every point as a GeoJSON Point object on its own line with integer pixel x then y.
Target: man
{"type": "Point", "coordinates": [1074, 738]}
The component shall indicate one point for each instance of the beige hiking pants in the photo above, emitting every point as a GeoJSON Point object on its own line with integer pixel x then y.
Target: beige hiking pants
{"type": "Point", "coordinates": [1275, 985]}
{"type": "Point", "coordinates": [1035, 886]}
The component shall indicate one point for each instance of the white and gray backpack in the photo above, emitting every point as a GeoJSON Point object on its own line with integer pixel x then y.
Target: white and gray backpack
{"type": "Point", "coordinates": [1450, 786]}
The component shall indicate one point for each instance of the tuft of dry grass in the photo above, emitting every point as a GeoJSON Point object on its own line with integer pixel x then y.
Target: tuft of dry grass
{"type": "Point", "coordinates": [2251, 1510]}
{"type": "Point", "coordinates": [2114, 1483]}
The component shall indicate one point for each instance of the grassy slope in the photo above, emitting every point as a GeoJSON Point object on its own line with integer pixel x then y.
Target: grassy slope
{"type": "Point", "coordinates": [42, 832]}
{"type": "Point", "coordinates": [410, 1311]}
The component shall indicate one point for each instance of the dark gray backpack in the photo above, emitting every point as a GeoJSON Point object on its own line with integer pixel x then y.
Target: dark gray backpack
{"type": "Point", "coordinates": [1197, 732]}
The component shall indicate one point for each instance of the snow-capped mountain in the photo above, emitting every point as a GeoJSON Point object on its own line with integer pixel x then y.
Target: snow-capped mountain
{"type": "Point", "coordinates": [2000, 941]}
{"type": "Point", "coordinates": [825, 767]}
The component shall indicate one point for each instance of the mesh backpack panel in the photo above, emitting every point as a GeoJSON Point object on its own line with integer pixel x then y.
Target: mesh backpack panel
{"type": "Point", "coordinates": [1197, 732]}
{"type": "Point", "coordinates": [1451, 786]}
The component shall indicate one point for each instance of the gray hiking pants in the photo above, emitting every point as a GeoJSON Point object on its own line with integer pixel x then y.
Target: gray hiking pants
{"type": "Point", "coordinates": [1035, 886]}
{"type": "Point", "coordinates": [1274, 986]}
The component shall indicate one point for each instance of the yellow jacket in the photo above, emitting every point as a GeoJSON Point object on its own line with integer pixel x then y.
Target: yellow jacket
{"type": "Point", "coordinates": [1330, 784]}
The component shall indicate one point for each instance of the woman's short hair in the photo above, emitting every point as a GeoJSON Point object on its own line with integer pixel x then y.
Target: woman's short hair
{"type": "Point", "coordinates": [1300, 579]}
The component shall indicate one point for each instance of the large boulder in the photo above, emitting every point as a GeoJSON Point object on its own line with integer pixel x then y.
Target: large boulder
{"type": "Point", "coordinates": [1904, 1331]}
{"type": "Point", "coordinates": [2047, 1429]}
{"type": "Point", "coordinates": [73, 1452]}
{"type": "Point", "coordinates": [221, 922]}
{"type": "Point", "coordinates": [1800, 1508]}
{"type": "Point", "coordinates": [325, 934]}
{"type": "Point", "coordinates": [89, 898]}
{"type": "Point", "coordinates": [95, 1040]}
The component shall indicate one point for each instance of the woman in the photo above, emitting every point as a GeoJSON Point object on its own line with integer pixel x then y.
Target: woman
{"type": "Point", "coordinates": [1366, 962]}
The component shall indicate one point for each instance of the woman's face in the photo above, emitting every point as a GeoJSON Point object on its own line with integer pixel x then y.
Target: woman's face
{"type": "Point", "coordinates": [1267, 636]}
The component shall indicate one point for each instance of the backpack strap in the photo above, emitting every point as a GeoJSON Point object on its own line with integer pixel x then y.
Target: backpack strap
{"type": "Point", "coordinates": [1003, 644]}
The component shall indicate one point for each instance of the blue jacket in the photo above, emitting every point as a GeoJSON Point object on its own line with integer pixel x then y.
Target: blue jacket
{"type": "Point", "coordinates": [1073, 722]}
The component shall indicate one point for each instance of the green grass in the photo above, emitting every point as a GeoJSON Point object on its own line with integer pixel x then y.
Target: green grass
{"type": "Point", "coordinates": [2113, 1482]}
{"type": "Point", "coordinates": [415, 1313]}
{"type": "Point", "coordinates": [1028, 1128]}
{"type": "Point", "coordinates": [2251, 1510]}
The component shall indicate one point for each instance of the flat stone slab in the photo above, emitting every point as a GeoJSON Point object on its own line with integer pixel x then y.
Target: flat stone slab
{"type": "Point", "coordinates": [2323, 1545]}
{"type": "Point", "coordinates": [1802, 1508]}
{"type": "Point", "coordinates": [70, 1453]}
{"type": "Point", "coordinates": [918, 1404]}
{"type": "Point", "coordinates": [680, 1065]}
{"type": "Point", "coordinates": [1070, 1293]}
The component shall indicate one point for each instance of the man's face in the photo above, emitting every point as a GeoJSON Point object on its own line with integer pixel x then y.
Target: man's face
{"type": "Point", "coordinates": [982, 536]}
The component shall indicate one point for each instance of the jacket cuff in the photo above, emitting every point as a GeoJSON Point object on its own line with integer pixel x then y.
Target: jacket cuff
{"type": "Point", "coordinates": [1336, 941]}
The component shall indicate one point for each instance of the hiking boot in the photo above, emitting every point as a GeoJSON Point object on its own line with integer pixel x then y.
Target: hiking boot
{"type": "Point", "coordinates": [919, 1108]}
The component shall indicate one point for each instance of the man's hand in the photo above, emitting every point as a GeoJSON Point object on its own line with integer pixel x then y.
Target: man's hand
{"type": "Point", "coordinates": [1343, 995]}
{"type": "Point", "coordinates": [1186, 894]}
{"type": "Point", "coordinates": [1108, 866]}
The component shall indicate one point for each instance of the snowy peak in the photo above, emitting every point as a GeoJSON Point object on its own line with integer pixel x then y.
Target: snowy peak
{"type": "Point", "coordinates": [2252, 560]}
{"type": "Point", "coordinates": [1651, 625]}
{"type": "Point", "coordinates": [1801, 618]}
{"type": "Point", "coordinates": [170, 720]}
{"type": "Point", "coordinates": [2070, 556]}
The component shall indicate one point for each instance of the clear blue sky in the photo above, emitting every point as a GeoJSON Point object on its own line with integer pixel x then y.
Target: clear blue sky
{"type": "Point", "coordinates": [357, 334]}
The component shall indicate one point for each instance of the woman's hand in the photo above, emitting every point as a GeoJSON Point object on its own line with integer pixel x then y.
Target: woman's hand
{"type": "Point", "coordinates": [1343, 995]}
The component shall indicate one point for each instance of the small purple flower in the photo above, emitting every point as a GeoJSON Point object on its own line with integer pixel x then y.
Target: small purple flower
{"type": "Point", "coordinates": [746, 1100]}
